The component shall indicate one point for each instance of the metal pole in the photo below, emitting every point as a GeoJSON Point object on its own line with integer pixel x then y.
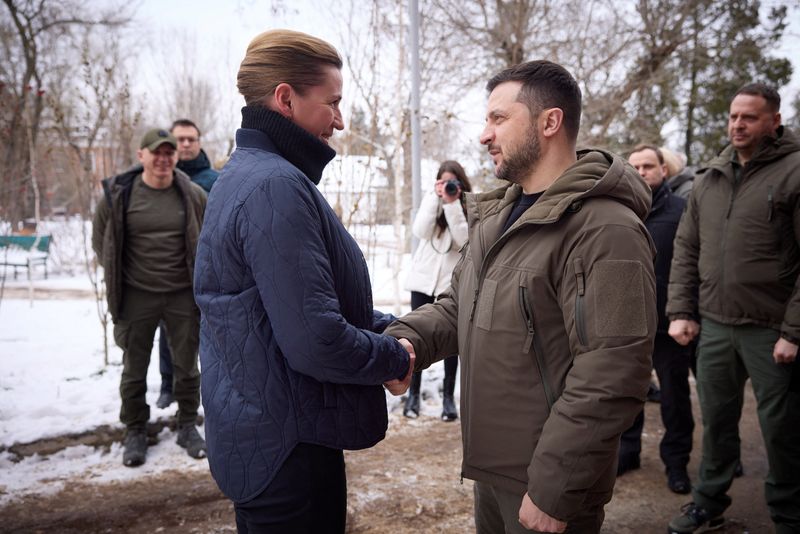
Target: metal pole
{"type": "Point", "coordinates": [416, 141]}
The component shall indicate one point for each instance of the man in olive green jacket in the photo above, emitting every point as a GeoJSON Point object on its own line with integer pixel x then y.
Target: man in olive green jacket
{"type": "Point", "coordinates": [551, 309]}
{"type": "Point", "coordinates": [144, 234]}
{"type": "Point", "coordinates": [735, 267]}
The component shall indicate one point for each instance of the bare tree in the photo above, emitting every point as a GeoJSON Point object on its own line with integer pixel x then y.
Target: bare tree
{"type": "Point", "coordinates": [34, 38]}
{"type": "Point", "coordinates": [94, 117]}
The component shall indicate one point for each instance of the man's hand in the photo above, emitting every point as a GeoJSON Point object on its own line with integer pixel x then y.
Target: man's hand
{"type": "Point", "coordinates": [785, 351]}
{"type": "Point", "coordinates": [684, 330]}
{"type": "Point", "coordinates": [398, 387]}
{"type": "Point", "coordinates": [534, 519]}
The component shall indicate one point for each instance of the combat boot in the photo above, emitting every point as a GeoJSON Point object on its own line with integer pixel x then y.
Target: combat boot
{"type": "Point", "coordinates": [189, 438]}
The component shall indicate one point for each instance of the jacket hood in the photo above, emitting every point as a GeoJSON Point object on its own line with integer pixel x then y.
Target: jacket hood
{"type": "Point", "coordinates": [771, 148]}
{"type": "Point", "coordinates": [596, 173]}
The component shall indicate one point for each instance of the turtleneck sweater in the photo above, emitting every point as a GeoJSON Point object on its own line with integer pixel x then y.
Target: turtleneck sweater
{"type": "Point", "coordinates": [295, 144]}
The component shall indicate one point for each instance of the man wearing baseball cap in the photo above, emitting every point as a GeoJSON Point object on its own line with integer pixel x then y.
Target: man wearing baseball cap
{"type": "Point", "coordinates": [145, 232]}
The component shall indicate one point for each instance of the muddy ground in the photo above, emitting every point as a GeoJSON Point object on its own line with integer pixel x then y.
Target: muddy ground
{"type": "Point", "coordinates": [387, 494]}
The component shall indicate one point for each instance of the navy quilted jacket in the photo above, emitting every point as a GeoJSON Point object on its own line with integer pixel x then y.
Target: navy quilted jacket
{"type": "Point", "coordinates": [289, 342]}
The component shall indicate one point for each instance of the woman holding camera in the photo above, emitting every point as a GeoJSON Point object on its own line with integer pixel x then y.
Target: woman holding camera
{"type": "Point", "coordinates": [441, 227]}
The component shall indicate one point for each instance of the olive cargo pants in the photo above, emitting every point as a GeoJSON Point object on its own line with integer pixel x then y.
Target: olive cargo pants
{"type": "Point", "coordinates": [133, 332]}
{"type": "Point", "coordinates": [726, 356]}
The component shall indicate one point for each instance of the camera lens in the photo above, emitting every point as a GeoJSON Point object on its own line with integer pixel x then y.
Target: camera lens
{"type": "Point", "coordinates": [451, 187]}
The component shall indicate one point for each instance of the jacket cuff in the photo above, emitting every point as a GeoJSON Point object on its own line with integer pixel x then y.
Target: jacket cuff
{"type": "Point", "coordinates": [682, 316]}
{"type": "Point", "coordinates": [790, 338]}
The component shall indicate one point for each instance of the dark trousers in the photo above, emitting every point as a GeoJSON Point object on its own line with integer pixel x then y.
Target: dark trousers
{"type": "Point", "coordinates": [726, 356]}
{"type": "Point", "coordinates": [307, 496]}
{"type": "Point", "coordinates": [497, 512]}
{"type": "Point", "coordinates": [671, 362]}
{"type": "Point", "coordinates": [134, 332]}
{"type": "Point", "coordinates": [164, 359]}
{"type": "Point", "coordinates": [451, 362]}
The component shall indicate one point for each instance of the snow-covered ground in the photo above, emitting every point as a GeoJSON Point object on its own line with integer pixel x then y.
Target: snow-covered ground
{"type": "Point", "coordinates": [54, 381]}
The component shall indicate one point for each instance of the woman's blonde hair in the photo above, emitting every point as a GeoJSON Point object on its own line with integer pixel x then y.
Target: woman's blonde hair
{"type": "Point", "coordinates": [283, 56]}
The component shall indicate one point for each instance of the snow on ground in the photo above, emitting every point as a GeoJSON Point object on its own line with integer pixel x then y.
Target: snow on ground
{"type": "Point", "coordinates": [54, 381]}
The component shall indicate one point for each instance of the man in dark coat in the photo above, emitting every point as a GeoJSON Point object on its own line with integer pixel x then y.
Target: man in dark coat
{"type": "Point", "coordinates": [193, 161]}
{"type": "Point", "coordinates": [670, 360]}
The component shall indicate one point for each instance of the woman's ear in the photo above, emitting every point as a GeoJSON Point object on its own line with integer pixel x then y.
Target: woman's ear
{"type": "Point", "coordinates": [282, 99]}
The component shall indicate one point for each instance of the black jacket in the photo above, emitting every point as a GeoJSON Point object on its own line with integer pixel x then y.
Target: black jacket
{"type": "Point", "coordinates": [662, 223]}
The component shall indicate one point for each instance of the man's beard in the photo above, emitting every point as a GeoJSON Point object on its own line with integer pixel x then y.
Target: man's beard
{"type": "Point", "coordinates": [520, 163]}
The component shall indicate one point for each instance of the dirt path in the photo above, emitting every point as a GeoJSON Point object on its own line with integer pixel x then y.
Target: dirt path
{"type": "Point", "coordinates": [387, 494]}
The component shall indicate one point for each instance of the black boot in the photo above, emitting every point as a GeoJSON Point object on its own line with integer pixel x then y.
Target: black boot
{"type": "Point", "coordinates": [411, 408]}
{"type": "Point", "coordinates": [449, 412]}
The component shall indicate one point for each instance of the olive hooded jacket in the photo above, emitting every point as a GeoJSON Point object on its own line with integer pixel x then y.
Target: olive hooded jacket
{"type": "Point", "coordinates": [554, 321]}
{"type": "Point", "coordinates": [737, 250]}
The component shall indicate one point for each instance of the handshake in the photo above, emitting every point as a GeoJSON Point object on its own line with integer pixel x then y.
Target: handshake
{"type": "Point", "coordinates": [398, 387]}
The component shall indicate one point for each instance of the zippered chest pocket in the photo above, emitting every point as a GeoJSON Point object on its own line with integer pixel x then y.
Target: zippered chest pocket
{"type": "Point", "coordinates": [580, 301]}
{"type": "Point", "coordinates": [531, 340]}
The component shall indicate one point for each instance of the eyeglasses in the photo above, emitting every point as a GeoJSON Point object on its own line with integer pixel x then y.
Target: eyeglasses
{"type": "Point", "coordinates": [189, 140]}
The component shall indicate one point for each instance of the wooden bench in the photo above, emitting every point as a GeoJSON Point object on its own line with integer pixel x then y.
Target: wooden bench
{"type": "Point", "coordinates": [17, 252]}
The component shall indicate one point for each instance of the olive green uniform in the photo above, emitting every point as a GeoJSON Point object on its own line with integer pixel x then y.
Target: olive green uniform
{"type": "Point", "coordinates": [146, 239]}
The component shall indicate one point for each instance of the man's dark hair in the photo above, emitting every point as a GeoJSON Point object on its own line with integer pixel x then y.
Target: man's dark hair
{"type": "Point", "coordinates": [645, 146]}
{"type": "Point", "coordinates": [185, 123]}
{"type": "Point", "coordinates": [545, 85]}
{"type": "Point", "coordinates": [763, 90]}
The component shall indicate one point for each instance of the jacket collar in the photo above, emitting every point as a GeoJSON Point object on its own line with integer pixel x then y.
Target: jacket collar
{"type": "Point", "coordinates": [194, 166]}
{"type": "Point", "coordinates": [771, 148]}
{"type": "Point", "coordinates": [660, 197]}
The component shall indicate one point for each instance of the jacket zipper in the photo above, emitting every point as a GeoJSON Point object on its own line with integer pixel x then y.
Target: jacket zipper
{"type": "Point", "coordinates": [770, 203]}
{"type": "Point", "coordinates": [523, 304]}
{"type": "Point", "coordinates": [532, 338]}
{"type": "Point", "coordinates": [580, 282]}
{"type": "Point", "coordinates": [724, 241]}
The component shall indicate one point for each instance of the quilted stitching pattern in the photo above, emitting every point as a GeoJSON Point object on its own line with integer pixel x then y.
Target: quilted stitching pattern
{"type": "Point", "coordinates": [289, 346]}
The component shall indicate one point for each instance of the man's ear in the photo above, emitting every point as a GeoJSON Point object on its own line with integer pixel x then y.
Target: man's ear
{"type": "Point", "coordinates": [139, 153]}
{"type": "Point", "coordinates": [552, 121]}
{"type": "Point", "coordinates": [282, 99]}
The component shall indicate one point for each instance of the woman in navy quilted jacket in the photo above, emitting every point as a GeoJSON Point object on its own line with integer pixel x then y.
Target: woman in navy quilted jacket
{"type": "Point", "coordinates": [292, 356]}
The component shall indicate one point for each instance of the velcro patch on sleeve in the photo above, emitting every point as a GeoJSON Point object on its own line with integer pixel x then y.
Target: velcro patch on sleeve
{"type": "Point", "coordinates": [619, 304]}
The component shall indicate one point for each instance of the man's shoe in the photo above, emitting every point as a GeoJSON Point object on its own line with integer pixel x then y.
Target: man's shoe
{"type": "Point", "coordinates": [694, 518]}
{"type": "Point", "coordinates": [165, 399]}
{"type": "Point", "coordinates": [739, 471]}
{"type": "Point", "coordinates": [189, 438]}
{"type": "Point", "coordinates": [135, 448]}
{"type": "Point", "coordinates": [678, 480]}
{"type": "Point", "coordinates": [628, 462]}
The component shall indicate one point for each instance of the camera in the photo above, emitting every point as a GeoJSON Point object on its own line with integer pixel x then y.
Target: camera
{"type": "Point", "coordinates": [451, 187]}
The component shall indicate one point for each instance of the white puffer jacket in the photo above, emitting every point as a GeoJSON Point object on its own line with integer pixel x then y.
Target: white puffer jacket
{"type": "Point", "coordinates": [437, 254]}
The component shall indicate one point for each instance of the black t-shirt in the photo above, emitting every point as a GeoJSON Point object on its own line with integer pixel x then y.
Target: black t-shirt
{"type": "Point", "coordinates": [523, 203]}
